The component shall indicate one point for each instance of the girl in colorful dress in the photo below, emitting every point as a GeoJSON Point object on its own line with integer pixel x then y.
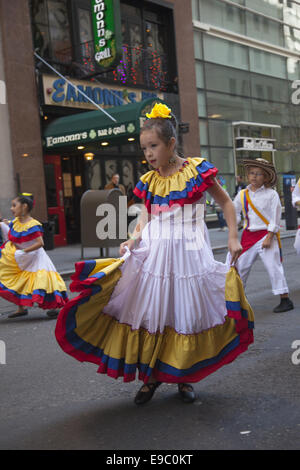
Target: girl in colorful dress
{"type": "Point", "coordinates": [296, 203]}
{"type": "Point", "coordinates": [261, 207]}
{"type": "Point", "coordinates": [27, 275]}
{"type": "Point", "coordinates": [166, 308]}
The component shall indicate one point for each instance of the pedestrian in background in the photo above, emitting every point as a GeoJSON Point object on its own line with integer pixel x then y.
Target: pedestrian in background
{"type": "Point", "coordinates": [27, 275]}
{"type": "Point", "coordinates": [240, 184]}
{"type": "Point", "coordinates": [261, 207]}
{"type": "Point", "coordinates": [114, 184]}
{"type": "Point", "coordinates": [166, 308]}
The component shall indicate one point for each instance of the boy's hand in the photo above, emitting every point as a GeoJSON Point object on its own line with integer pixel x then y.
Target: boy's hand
{"type": "Point", "coordinates": [268, 240]}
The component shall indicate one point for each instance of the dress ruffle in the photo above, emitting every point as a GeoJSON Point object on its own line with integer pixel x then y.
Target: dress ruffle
{"type": "Point", "coordinates": [30, 278]}
{"type": "Point", "coordinates": [87, 333]}
{"type": "Point", "coordinates": [184, 187]}
{"type": "Point", "coordinates": [20, 233]}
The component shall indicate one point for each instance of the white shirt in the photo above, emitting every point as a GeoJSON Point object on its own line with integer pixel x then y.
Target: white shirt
{"type": "Point", "coordinates": [267, 201]}
{"type": "Point", "coordinates": [296, 194]}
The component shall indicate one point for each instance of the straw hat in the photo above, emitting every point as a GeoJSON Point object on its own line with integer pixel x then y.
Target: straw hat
{"type": "Point", "coordinates": [264, 165]}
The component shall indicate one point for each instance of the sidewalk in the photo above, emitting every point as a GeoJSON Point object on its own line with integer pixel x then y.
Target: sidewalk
{"type": "Point", "coordinates": [65, 257]}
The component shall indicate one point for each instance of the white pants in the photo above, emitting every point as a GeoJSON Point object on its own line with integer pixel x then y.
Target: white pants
{"type": "Point", "coordinates": [271, 260]}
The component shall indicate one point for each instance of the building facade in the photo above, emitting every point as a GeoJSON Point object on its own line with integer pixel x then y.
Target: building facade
{"type": "Point", "coordinates": [56, 61]}
{"type": "Point", "coordinates": [247, 65]}
{"type": "Point", "coordinates": [82, 150]}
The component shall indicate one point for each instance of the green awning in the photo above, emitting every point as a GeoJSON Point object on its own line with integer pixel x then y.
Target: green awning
{"type": "Point", "coordinates": [95, 126]}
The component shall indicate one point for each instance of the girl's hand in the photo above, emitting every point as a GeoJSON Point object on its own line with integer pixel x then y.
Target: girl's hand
{"type": "Point", "coordinates": [129, 243]}
{"type": "Point", "coordinates": [6, 221]}
{"type": "Point", "coordinates": [235, 249]}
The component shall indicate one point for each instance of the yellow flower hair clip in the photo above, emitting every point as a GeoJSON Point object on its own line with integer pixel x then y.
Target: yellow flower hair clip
{"type": "Point", "coordinates": [159, 111]}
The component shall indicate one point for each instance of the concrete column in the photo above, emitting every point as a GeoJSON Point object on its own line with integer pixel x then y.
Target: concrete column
{"type": "Point", "coordinates": [184, 38]}
{"type": "Point", "coordinates": [7, 183]}
{"type": "Point", "coordinates": [22, 102]}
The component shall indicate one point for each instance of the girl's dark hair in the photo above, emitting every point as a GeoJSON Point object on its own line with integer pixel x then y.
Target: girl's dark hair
{"type": "Point", "coordinates": [28, 199]}
{"type": "Point", "coordinates": [166, 128]}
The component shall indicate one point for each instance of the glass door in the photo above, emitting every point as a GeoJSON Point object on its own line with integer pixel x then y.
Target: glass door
{"type": "Point", "coordinates": [55, 198]}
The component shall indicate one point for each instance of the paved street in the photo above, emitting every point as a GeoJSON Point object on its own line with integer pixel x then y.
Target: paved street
{"type": "Point", "coordinates": [50, 401]}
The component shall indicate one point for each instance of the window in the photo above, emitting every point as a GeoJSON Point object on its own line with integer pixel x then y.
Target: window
{"type": "Point", "coordinates": [51, 29]}
{"type": "Point", "coordinates": [201, 104]}
{"type": "Point", "coordinates": [59, 30]}
{"type": "Point", "coordinates": [264, 29]}
{"type": "Point", "coordinates": [198, 44]}
{"type": "Point", "coordinates": [222, 15]}
{"type": "Point", "coordinates": [268, 112]}
{"type": "Point", "coordinates": [147, 55]}
{"type": "Point", "coordinates": [227, 80]}
{"type": "Point", "coordinates": [199, 75]}
{"type": "Point", "coordinates": [203, 132]}
{"type": "Point", "coordinates": [232, 108]}
{"type": "Point", "coordinates": [272, 8]}
{"type": "Point", "coordinates": [220, 133]}
{"type": "Point", "coordinates": [268, 88]}
{"type": "Point", "coordinates": [225, 52]}
{"type": "Point", "coordinates": [86, 45]}
{"type": "Point", "coordinates": [267, 64]}
{"type": "Point", "coordinates": [223, 159]}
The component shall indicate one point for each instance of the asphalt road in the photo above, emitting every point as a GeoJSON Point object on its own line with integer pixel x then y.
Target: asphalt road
{"type": "Point", "coordinates": [50, 401]}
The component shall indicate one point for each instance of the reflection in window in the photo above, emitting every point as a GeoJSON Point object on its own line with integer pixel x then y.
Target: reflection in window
{"type": "Point", "coordinates": [110, 170]}
{"type": "Point", "coordinates": [225, 52]}
{"type": "Point", "coordinates": [228, 107]}
{"type": "Point", "coordinates": [59, 30]}
{"type": "Point", "coordinates": [227, 80]}
{"type": "Point", "coordinates": [222, 15]}
{"type": "Point", "coordinates": [128, 177]}
{"type": "Point", "coordinates": [264, 29]}
{"type": "Point", "coordinates": [86, 39]}
{"type": "Point", "coordinates": [40, 27]}
{"type": "Point", "coordinates": [267, 64]}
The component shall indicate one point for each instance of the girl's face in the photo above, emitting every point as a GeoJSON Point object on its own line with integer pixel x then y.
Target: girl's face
{"type": "Point", "coordinates": [18, 209]}
{"type": "Point", "coordinates": [256, 176]}
{"type": "Point", "coordinates": [156, 151]}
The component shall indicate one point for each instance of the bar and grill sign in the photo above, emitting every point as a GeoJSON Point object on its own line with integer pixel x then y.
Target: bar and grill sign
{"type": "Point", "coordinates": [107, 32]}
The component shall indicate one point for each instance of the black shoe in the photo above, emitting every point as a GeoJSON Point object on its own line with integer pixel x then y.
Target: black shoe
{"type": "Point", "coordinates": [18, 314]}
{"type": "Point", "coordinates": [186, 393]}
{"type": "Point", "coordinates": [52, 313]}
{"type": "Point", "coordinates": [143, 397]}
{"type": "Point", "coordinates": [285, 305]}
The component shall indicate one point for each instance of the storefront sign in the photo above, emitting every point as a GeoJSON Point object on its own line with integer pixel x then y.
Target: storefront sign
{"type": "Point", "coordinates": [57, 92]}
{"type": "Point", "coordinates": [249, 143]}
{"type": "Point", "coordinates": [90, 135]}
{"type": "Point", "coordinates": [107, 32]}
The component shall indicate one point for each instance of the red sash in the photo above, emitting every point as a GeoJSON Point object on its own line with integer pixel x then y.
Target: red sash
{"type": "Point", "coordinates": [250, 238]}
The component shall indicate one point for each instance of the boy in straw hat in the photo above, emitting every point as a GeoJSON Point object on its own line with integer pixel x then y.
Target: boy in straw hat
{"type": "Point", "coordinates": [261, 208]}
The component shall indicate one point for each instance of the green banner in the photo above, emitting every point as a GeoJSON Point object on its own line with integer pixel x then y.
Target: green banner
{"type": "Point", "coordinates": [106, 20]}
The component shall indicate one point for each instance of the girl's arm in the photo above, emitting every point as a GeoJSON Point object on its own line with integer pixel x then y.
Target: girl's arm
{"type": "Point", "coordinates": [222, 198]}
{"type": "Point", "coordinates": [39, 242]}
{"type": "Point", "coordinates": [137, 234]}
